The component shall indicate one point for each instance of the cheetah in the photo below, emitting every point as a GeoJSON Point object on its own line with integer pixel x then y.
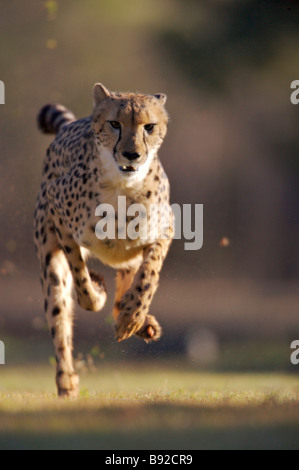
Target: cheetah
{"type": "Point", "coordinates": [94, 161]}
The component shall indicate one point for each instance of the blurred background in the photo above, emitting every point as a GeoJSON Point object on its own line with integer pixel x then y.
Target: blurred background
{"type": "Point", "coordinates": [232, 145]}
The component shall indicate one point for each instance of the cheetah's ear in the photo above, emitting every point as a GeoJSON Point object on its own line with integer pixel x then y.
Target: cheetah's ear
{"type": "Point", "coordinates": [161, 97]}
{"type": "Point", "coordinates": [99, 93]}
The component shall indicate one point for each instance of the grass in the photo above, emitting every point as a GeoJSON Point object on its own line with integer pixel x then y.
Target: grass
{"type": "Point", "coordinates": [144, 407]}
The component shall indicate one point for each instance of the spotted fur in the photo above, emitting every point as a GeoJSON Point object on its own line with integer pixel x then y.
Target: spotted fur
{"type": "Point", "coordinates": [92, 161]}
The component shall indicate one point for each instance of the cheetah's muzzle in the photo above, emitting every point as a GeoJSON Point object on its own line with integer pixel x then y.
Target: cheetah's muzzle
{"type": "Point", "coordinates": [127, 169]}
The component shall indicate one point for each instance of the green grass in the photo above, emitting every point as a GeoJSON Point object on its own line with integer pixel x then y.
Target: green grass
{"type": "Point", "coordinates": [143, 407]}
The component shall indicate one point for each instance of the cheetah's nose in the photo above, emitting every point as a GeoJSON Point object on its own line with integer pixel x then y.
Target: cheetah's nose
{"type": "Point", "coordinates": [131, 155]}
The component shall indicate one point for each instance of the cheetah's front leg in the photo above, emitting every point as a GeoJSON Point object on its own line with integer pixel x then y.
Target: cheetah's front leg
{"type": "Point", "coordinates": [57, 285]}
{"type": "Point", "coordinates": [133, 308]}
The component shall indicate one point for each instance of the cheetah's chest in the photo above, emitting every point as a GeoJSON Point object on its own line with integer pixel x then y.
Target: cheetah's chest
{"type": "Point", "coordinates": [113, 235]}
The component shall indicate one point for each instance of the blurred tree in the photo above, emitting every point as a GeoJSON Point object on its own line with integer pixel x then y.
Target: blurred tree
{"type": "Point", "coordinates": [215, 37]}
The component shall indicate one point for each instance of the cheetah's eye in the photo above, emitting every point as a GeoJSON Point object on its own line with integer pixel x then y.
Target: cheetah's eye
{"type": "Point", "coordinates": [149, 127]}
{"type": "Point", "coordinates": [115, 124]}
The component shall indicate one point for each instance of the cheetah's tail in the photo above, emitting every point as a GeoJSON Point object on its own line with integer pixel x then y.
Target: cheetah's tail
{"type": "Point", "coordinates": [53, 117]}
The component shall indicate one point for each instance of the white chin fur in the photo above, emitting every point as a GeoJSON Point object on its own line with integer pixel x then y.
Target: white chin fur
{"type": "Point", "coordinates": [112, 173]}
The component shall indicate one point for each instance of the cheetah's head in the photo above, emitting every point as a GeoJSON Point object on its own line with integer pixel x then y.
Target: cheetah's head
{"type": "Point", "coordinates": [129, 129]}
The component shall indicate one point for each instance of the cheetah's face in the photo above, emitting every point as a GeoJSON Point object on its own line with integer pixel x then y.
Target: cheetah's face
{"type": "Point", "coordinates": [129, 128]}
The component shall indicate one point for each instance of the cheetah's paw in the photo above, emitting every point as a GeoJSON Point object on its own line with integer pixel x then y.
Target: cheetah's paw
{"type": "Point", "coordinates": [146, 327]}
{"type": "Point", "coordinates": [95, 297]}
{"type": "Point", "coordinates": [67, 385]}
{"type": "Point", "coordinates": [128, 324]}
{"type": "Point", "coordinates": [151, 330]}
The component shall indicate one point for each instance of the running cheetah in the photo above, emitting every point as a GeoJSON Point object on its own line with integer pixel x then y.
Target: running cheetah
{"type": "Point", "coordinates": [91, 162]}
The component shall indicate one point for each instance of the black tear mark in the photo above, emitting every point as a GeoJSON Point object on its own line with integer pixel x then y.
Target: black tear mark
{"type": "Point", "coordinates": [118, 140]}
